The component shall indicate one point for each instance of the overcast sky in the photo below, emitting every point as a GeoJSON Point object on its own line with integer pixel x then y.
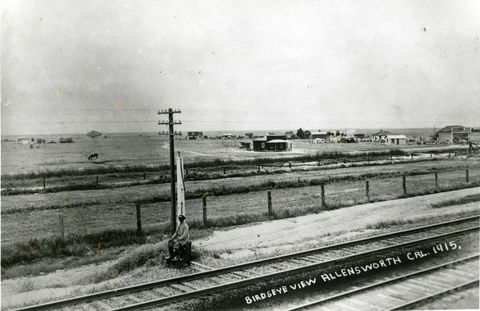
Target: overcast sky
{"type": "Point", "coordinates": [77, 65]}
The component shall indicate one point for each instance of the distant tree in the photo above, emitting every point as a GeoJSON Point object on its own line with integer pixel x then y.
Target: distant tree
{"type": "Point", "coordinates": [300, 133]}
{"type": "Point", "coordinates": [337, 133]}
{"type": "Point", "coordinates": [307, 134]}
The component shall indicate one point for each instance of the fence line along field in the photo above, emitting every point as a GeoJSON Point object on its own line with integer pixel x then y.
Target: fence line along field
{"type": "Point", "coordinates": [88, 218]}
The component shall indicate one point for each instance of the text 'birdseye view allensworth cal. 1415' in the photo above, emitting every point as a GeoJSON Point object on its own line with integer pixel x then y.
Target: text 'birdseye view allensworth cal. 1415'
{"type": "Point", "coordinates": [240, 155]}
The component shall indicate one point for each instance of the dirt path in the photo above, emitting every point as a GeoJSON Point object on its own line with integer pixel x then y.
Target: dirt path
{"type": "Point", "coordinates": [300, 229]}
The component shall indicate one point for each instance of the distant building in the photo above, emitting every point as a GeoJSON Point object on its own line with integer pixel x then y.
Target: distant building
{"type": "Point", "coordinates": [23, 140]}
{"type": "Point", "coordinates": [324, 136]}
{"type": "Point", "coordinates": [67, 140]}
{"type": "Point", "coordinates": [360, 137]}
{"type": "Point", "coordinates": [244, 145]}
{"type": "Point", "coordinates": [474, 135]}
{"type": "Point", "coordinates": [94, 134]}
{"type": "Point", "coordinates": [194, 135]}
{"type": "Point", "coordinates": [453, 134]}
{"type": "Point", "coordinates": [396, 140]}
{"type": "Point", "coordinates": [381, 136]}
{"type": "Point", "coordinates": [272, 142]}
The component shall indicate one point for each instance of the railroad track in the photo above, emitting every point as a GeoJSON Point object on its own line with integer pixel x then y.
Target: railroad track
{"type": "Point", "coordinates": [169, 291]}
{"type": "Point", "coordinates": [404, 292]}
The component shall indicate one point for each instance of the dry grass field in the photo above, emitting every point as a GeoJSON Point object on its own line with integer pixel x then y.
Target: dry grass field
{"type": "Point", "coordinates": [146, 149]}
{"type": "Point", "coordinates": [97, 211]}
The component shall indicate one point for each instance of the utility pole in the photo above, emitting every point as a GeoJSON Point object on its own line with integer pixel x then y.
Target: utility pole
{"type": "Point", "coordinates": [171, 134]}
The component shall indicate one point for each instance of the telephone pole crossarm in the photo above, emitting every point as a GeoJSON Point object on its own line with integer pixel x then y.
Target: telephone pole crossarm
{"type": "Point", "coordinates": [167, 111]}
{"type": "Point", "coordinates": [168, 123]}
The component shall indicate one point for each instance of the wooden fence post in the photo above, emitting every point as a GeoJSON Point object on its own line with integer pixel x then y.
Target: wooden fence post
{"type": "Point", "coordinates": [144, 176]}
{"type": "Point", "coordinates": [62, 227]}
{"type": "Point", "coordinates": [224, 171]}
{"type": "Point", "coordinates": [322, 194]}
{"type": "Point", "coordinates": [205, 221]}
{"type": "Point", "coordinates": [269, 197]}
{"type": "Point", "coordinates": [404, 183]}
{"type": "Point", "coordinates": [411, 156]}
{"type": "Point", "coordinates": [139, 219]}
{"type": "Point", "coordinates": [466, 175]}
{"type": "Point", "coordinates": [436, 180]}
{"type": "Point", "coordinates": [44, 182]}
{"type": "Point", "coordinates": [367, 190]}
{"type": "Point", "coordinates": [96, 183]}
{"type": "Point", "coordinates": [391, 158]}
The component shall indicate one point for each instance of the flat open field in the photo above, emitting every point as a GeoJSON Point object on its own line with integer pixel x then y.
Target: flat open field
{"type": "Point", "coordinates": [147, 149]}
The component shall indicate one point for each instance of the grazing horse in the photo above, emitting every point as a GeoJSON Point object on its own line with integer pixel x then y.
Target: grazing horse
{"type": "Point", "coordinates": [93, 156]}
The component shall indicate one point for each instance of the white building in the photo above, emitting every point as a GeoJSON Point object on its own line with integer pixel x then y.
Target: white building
{"type": "Point", "coordinates": [396, 140]}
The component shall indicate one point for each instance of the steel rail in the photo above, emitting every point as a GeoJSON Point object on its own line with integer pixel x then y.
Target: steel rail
{"type": "Point", "coordinates": [270, 276]}
{"type": "Point", "coordinates": [437, 294]}
{"type": "Point", "coordinates": [198, 275]}
{"type": "Point", "coordinates": [381, 283]}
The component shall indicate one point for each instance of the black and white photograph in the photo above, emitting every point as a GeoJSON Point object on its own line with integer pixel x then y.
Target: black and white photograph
{"type": "Point", "coordinates": [240, 155]}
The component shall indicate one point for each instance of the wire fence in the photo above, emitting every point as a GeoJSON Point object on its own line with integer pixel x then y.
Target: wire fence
{"type": "Point", "coordinates": [228, 209]}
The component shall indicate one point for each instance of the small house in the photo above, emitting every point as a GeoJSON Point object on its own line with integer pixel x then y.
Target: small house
{"type": "Point", "coordinates": [381, 136]}
{"type": "Point", "coordinates": [194, 135]}
{"type": "Point", "coordinates": [323, 136]}
{"type": "Point", "coordinates": [396, 140]}
{"type": "Point", "coordinates": [453, 134]}
{"type": "Point", "coordinates": [272, 142]}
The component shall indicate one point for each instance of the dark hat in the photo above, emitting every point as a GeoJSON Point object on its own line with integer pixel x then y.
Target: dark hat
{"type": "Point", "coordinates": [182, 217]}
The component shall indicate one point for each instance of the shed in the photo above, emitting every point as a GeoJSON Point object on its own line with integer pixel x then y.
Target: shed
{"type": "Point", "coordinates": [396, 140]}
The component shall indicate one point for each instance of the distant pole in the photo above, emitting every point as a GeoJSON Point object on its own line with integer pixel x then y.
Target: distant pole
{"type": "Point", "coordinates": [205, 220]}
{"type": "Point", "coordinates": [436, 180]}
{"type": "Point", "coordinates": [96, 182]}
{"type": "Point", "coordinates": [404, 184]}
{"type": "Point", "coordinates": [144, 176]}
{"type": "Point", "coordinates": [44, 182]}
{"type": "Point", "coordinates": [367, 190]}
{"type": "Point", "coordinates": [139, 219]}
{"type": "Point", "coordinates": [171, 133]}
{"type": "Point", "coordinates": [322, 195]}
{"type": "Point", "coordinates": [269, 197]}
{"type": "Point", "coordinates": [466, 175]}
